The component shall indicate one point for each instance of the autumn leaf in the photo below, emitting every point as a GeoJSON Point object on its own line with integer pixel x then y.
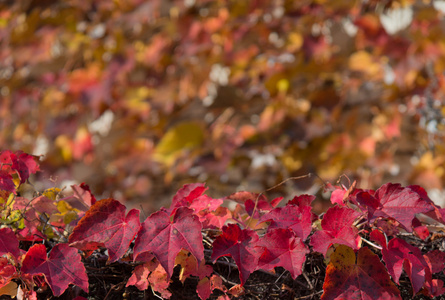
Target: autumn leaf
{"type": "Point", "coordinates": [151, 274]}
{"type": "Point", "coordinates": [7, 272]}
{"type": "Point", "coordinates": [401, 204]}
{"type": "Point", "coordinates": [6, 182]}
{"type": "Point", "coordinates": [207, 285]}
{"type": "Point", "coordinates": [302, 200]}
{"type": "Point", "coordinates": [61, 268]}
{"type": "Point", "coordinates": [189, 192]}
{"type": "Point", "coordinates": [105, 224]}
{"type": "Point", "coordinates": [240, 245]}
{"type": "Point", "coordinates": [24, 164]}
{"type": "Point", "coordinates": [398, 255]}
{"type": "Point", "coordinates": [183, 136]}
{"type": "Point", "coordinates": [357, 277]}
{"type": "Point", "coordinates": [165, 236]}
{"type": "Point", "coordinates": [299, 219]}
{"type": "Point", "coordinates": [336, 229]}
{"type": "Point", "coordinates": [437, 260]}
{"type": "Point", "coordinates": [190, 267]}
{"type": "Point", "coordinates": [215, 219]}
{"type": "Point", "coordinates": [282, 249]}
{"type": "Point", "coordinates": [9, 242]}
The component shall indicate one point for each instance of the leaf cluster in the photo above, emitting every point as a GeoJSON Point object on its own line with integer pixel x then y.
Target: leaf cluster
{"type": "Point", "coordinates": [198, 237]}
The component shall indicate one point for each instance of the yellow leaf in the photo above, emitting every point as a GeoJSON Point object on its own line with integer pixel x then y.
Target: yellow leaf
{"type": "Point", "coordinates": [9, 289]}
{"type": "Point", "coordinates": [51, 193]}
{"type": "Point", "coordinates": [184, 136]}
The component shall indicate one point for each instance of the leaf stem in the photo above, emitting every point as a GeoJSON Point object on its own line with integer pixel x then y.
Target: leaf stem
{"type": "Point", "coordinates": [372, 244]}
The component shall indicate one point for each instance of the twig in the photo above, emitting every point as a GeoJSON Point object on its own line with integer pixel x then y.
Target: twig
{"type": "Point", "coordinates": [311, 295]}
{"type": "Point", "coordinates": [308, 281]}
{"type": "Point", "coordinates": [224, 279]}
{"type": "Point", "coordinates": [271, 188]}
{"type": "Point", "coordinates": [372, 244]}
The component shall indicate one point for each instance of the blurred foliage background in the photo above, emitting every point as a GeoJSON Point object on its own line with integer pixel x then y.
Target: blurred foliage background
{"type": "Point", "coordinates": [136, 97]}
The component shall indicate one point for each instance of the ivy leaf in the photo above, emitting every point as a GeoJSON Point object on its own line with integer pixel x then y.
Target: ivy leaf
{"type": "Point", "coordinates": [190, 267]}
{"type": "Point", "coordinates": [396, 202]}
{"type": "Point", "coordinates": [299, 219]}
{"type": "Point", "coordinates": [152, 274]}
{"type": "Point", "coordinates": [165, 236]}
{"type": "Point", "coordinates": [437, 260]}
{"type": "Point", "coordinates": [302, 200]}
{"type": "Point", "coordinates": [9, 242]}
{"type": "Point", "coordinates": [6, 182]}
{"type": "Point", "coordinates": [337, 229]}
{"type": "Point", "coordinates": [398, 255]}
{"type": "Point", "coordinates": [105, 224]}
{"type": "Point", "coordinates": [24, 164]}
{"type": "Point", "coordinates": [357, 277]}
{"type": "Point", "coordinates": [206, 203]}
{"type": "Point", "coordinates": [62, 267]}
{"type": "Point", "coordinates": [240, 245]}
{"type": "Point", "coordinates": [282, 249]}
{"type": "Point", "coordinates": [7, 272]}
{"type": "Point", "coordinates": [207, 285]}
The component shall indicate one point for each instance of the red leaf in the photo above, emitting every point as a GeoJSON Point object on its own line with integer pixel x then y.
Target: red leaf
{"type": "Point", "coordinates": [399, 255]}
{"type": "Point", "coordinates": [6, 183]}
{"type": "Point", "coordinates": [82, 198]}
{"type": "Point", "coordinates": [215, 219]}
{"type": "Point", "coordinates": [282, 249]}
{"type": "Point", "coordinates": [62, 267]}
{"type": "Point", "coordinates": [165, 237]}
{"type": "Point", "coordinates": [187, 194]}
{"type": "Point", "coordinates": [7, 272]}
{"type": "Point", "coordinates": [45, 205]}
{"type": "Point", "coordinates": [205, 203]}
{"type": "Point", "coordinates": [207, 285]}
{"type": "Point", "coordinates": [274, 202]}
{"type": "Point", "coordinates": [337, 196]}
{"type": "Point", "coordinates": [337, 228]}
{"type": "Point", "coordinates": [83, 192]}
{"type": "Point", "coordinates": [401, 204]}
{"type": "Point", "coordinates": [421, 230]}
{"type": "Point", "coordinates": [437, 260]}
{"type": "Point", "coordinates": [240, 245]}
{"type": "Point", "coordinates": [299, 219]}
{"type": "Point", "coordinates": [361, 277]}
{"type": "Point", "coordinates": [302, 200]}
{"type": "Point", "coordinates": [105, 224]}
{"type": "Point", "coordinates": [9, 242]}
{"type": "Point", "coordinates": [24, 164]}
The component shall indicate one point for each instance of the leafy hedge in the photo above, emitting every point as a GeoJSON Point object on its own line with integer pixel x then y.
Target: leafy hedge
{"type": "Point", "coordinates": [49, 241]}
